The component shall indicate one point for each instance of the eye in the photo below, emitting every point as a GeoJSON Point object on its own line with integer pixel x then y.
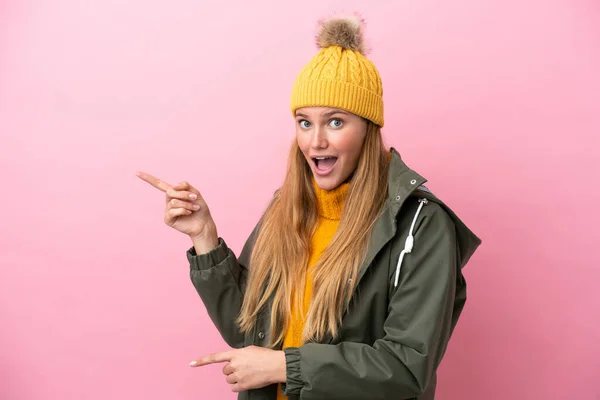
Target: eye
{"type": "Point", "coordinates": [304, 124]}
{"type": "Point", "coordinates": [336, 123]}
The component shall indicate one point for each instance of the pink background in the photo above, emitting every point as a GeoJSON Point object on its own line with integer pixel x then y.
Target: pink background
{"type": "Point", "coordinates": [497, 103]}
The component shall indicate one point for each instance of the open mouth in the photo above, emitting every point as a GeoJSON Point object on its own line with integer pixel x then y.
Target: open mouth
{"type": "Point", "coordinates": [324, 164]}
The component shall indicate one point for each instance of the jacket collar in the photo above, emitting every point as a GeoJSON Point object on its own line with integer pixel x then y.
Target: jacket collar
{"type": "Point", "coordinates": [402, 182]}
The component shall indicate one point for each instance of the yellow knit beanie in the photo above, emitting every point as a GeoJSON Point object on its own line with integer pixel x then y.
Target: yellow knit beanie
{"type": "Point", "coordinates": [339, 75]}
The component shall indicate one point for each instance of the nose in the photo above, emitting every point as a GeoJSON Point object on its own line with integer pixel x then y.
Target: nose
{"type": "Point", "coordinates": [319, 138]}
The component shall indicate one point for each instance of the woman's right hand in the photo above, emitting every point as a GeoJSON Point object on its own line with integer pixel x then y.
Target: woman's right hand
{"type": "Point", "coordinates": [186, 211]}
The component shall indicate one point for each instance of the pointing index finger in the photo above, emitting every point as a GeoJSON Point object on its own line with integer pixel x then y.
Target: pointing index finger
{"type": "Point", "coordinates": [157, 183]}
{"type": "Point", "coordinates": [212, 359]}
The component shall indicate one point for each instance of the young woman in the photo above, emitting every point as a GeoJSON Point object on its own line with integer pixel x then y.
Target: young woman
{"type": "Point", "coordinates": [350, 285]}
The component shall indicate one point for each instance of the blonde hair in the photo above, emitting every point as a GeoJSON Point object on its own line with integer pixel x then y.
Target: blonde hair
{"type": "Point", "coordinates": [280, 254]}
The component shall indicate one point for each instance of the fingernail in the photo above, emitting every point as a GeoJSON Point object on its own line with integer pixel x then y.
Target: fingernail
{"type": "Point", "coordinates": [195, 206]}
{"type": "Point", "coordinates": [193, 363]}
{"type": "Point", "coordinates": [193, 196]}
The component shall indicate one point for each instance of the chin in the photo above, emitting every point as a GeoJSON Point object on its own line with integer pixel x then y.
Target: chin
{"type": "Point", "coordinates": [327, 183]}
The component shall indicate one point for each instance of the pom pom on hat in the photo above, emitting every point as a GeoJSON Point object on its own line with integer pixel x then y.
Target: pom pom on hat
{"type": "Point", "coordinates": [346, 32]}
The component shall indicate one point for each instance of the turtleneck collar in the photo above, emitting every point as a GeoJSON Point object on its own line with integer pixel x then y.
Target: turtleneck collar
{"type": "Point", "coordinates": [331, 202]}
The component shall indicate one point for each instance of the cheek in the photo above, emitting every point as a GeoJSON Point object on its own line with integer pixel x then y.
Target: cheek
{"type": "Point", "coordinates": [351, 145]}
{"type": "Point", "coordinates": [303, 143]}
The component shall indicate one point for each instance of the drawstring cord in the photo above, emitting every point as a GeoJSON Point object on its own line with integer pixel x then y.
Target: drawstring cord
{"type": "Point", "coordinates": [410, 241]}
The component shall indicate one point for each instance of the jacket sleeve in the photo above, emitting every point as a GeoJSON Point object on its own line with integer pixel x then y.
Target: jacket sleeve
{"type": "Point", "coordinates": [417, 329]}
{"type": "Point", "coordinates": [220, 280]}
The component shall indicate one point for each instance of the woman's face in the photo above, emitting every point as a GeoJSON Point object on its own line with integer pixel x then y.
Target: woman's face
{"type": "Point", "coordinates": [331, 141]}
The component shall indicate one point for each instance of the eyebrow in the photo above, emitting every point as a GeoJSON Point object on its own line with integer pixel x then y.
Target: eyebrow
{"type": "Point", "coordinates": [327, 114]}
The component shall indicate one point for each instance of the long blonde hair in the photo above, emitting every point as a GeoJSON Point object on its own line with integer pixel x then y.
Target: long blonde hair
{"type": "Point", "coordinates": [280, 254]}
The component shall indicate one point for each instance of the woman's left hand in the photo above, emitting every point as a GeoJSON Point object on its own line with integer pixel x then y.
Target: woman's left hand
{"type": "Point", "coordinates": [251, 367]}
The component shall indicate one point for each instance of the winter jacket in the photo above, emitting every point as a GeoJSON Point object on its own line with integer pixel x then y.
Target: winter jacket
{"type": "Point", "coordinates": [409, 296]}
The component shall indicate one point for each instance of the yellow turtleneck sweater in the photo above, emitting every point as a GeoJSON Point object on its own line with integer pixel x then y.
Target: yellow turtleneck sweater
{"type": "Point", "coordinates": [330, 204]}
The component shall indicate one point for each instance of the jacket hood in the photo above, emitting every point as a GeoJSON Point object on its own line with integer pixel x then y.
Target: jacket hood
{"type": "Point", "coordinates": [404, 182]}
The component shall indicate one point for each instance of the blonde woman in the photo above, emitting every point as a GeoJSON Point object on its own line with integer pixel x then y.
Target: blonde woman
{"type": "Point", "coordinates": [350, 285]}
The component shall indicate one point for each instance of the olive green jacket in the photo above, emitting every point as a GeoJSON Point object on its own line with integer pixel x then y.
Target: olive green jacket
{"type": "Point", "coordinates": [393, 336]}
